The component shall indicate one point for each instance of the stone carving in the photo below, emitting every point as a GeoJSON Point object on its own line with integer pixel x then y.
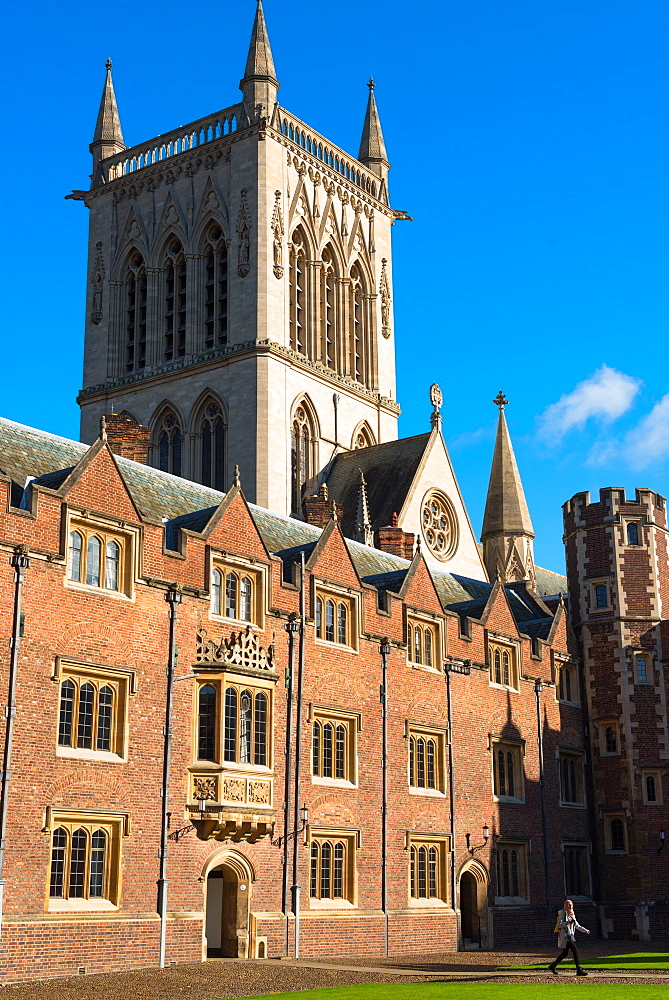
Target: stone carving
{"type": "Point", "coordinates": [242, 649]}
{"type": "Point", "coordinates": [133, 232]}
{"type": "Point", "coordinates": [211, 202]}
{"type": "Point", "coordinates": [385, 300]}
{"type": "Point", "coordinates": [234, 789]}
{"type": "Point", "coordinates": [171, 217]}
{"type": "Point", "coordinates": [206, 788]}
{"type": "Point", "coordinates": [243, 238]}
{"type": "Point", "coordinates": [259, 792]}
{"type": "Point", "coordinates": [277, 236]}
{"type": "Point", "coordinates": [97, 281]}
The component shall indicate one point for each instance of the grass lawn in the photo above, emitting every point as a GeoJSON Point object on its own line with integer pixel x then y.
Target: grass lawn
{"type": "Point", "coordinates": [638, 960]}
{"type": "Point", "coordinates": [458, 991]}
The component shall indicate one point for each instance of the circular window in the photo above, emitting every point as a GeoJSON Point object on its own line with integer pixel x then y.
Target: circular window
{"type": "Point", "coordinates": [439, 525]}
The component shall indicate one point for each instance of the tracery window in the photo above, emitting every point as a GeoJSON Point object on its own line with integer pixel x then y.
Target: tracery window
{"type": "Point", "coordinates": [206, 723]}
{"type": "Point", "coordinates": [84, 863]}
{"type": "Point", "coordinates": [212, 448]}
{"type": "Point", "coordinates": [333, 741]}
{"type": "Point", "coordinates": [567, 683]}
{"type": "Point", "coordinates": [503, 667]}
{"type": "Point", "coordinates": [332, 867]}
{"type": "Point", "coordinates": [169, 444]}
{"type": "Point", "coordinates": [216, 288]}
{"type": "Point", "coordinates": [232, 594]}
{"type": "Point", "coordinates": [358, 334]}
{"type": "Point", "coordinates": [439, 525]}
{"type": "Point", "coordinates": [175, 302]}
{"type": "Point", "coordinates": [298, 293]}
{"type": "Point", "coordinates": [363, 438]}
{"type": "Point", "coordinates": [426, 758]}
{"type": "Point", "coordinates": [245, 726]}
{"type": "Point", "coordinates": [427, 870]}
{"type": "Point", "coordinates": [334, 620]}
{"type": "Point", "coordinates": [96, 558]}
{"type": "Point", "coordinates": [422, 643]}
{"type": "Point", "coordinates": [571, 779]}
{"type": "Point", "coordinates": [511, 871]}
{"type": "Point", "coordinates": [92, 709]}
{"type": "Point", "coordinates": [507, 766]}
{"type": "Point", "coordinates": [135, 305]}
{"type": "Point", "coordinates": [302, 458]}
{"type": "Point", "coordinates": [329, 311]}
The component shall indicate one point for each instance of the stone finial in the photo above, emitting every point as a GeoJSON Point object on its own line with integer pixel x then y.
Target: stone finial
{"type": "Point", "coordinates": [259, 84]}
{"type": "Point", "coordinates": [333, 508]}
{"type": "Point", "coordinates": [436, 398]}
{"type": "Point", "coordinates": [363, 524]}
{"type": "Point", "coordinates": [108, 136]}
{"type": "Point", "coordinates": [238, 478]}
{"type": "Point", "coordinates": [500, 400]}
{"type": "Point", "coordinates": [103, 428]}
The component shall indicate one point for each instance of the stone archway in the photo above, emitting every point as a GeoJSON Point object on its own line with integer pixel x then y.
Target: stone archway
{"type": "Point", "coordinates": [228, 877]}
{"type": "Point", "coordinates": [474, 914]}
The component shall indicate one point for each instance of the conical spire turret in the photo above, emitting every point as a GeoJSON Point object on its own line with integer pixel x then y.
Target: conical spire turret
{"type": "Point", "coordinates": [108, 136]}
{"type": "Point", "coordinates": [259, 84]}
{"type": "Point", "coordinates": [363, 523]}
{"type": "Point", "coordinates": [507, 533]}
{"type": "Point", "coordinates": [372, 147]}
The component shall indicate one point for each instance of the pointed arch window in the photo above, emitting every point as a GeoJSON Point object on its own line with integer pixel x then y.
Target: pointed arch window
{"type": "Point", "coordinates": [135, 307]}
{"type": "Point", "coordinates": [175, 302]}
{"type": "Point", "coordinates": [298, 293]}
{"type": "Point", "coordinates": [358, 333]}
{"type": "Point", "coordinates": [302, 458]}
{"type": "Point", "coordinates": [216, 288]}
{"type": "Point", "coordinates": [212, 448]}
{"type": "Point", "coordinates": [169, 444]}
{"type": "Point", "coordinates": [363, 438]}
{"type": "Point", "coordinates": [328, 310]}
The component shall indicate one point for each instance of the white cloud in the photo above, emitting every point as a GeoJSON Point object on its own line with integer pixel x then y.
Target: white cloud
{"type": "Point", "coordinates": [605, 395]}
{"type": "Point", "coordinates": [648, 442]}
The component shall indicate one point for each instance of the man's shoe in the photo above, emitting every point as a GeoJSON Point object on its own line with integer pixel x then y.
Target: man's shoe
{"type": "Point", "coordinates": [581, 972]}
{"type": "Point", "coordinates": [552, 969]}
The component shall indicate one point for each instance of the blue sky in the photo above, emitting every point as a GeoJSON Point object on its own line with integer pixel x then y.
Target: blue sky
{"type": "Point", "coordinates": [528, 141]}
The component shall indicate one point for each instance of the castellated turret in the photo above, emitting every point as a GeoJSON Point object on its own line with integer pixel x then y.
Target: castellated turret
{"type": "Point", "coordinates": [618, 571]}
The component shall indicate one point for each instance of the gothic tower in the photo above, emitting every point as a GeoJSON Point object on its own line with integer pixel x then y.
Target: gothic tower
{"type": "Point", "coordinates": [507, 535]}
{"type": "Point", "coordinates": [240, 291]}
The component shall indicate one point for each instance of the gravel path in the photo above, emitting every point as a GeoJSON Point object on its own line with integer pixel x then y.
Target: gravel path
{"type": "Point", "coordinates": [219, 979]}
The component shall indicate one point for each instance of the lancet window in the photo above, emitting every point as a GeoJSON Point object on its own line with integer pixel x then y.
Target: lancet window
{"type": "Point", "coordinates": [212, 447]}
{"type": "Point", "coordinates": [216, 289]}
{"type": "Point", "coordinates": [169, 444]}
{"type": "Point", "coordinates": [328, 304]}
{"type": "Point", "coordinates": [358, 327]}
{"type": "Point", "coordinates": [175, 302]}
{"type": "Point", "coordinates": [135, 305]}
{"type": "Point", "coordinates": [298, 293]}
{"type": "Point", "coordinates": [302, 435]}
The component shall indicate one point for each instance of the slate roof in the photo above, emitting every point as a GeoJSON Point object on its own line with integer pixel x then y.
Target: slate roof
{"type": "Point", "coordinates": [389, 470]}
{"type": "Point", "coordinates": [161, 497]}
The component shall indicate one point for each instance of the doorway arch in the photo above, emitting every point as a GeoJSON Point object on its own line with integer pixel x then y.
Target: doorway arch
{"type": "Point", "coordinates": [228, 877]}
{"type": "Point", "coordinates": [474, 914]}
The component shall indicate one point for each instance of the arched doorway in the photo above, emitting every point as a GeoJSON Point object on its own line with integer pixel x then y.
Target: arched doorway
{"type": "Point", "coordinates": [228, 902]}
{"type": "Point", "coordinates": [476, 932]}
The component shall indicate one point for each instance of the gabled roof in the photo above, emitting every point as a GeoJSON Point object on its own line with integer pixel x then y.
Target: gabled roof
{"type": "Point", "coordinates": [389, 470]}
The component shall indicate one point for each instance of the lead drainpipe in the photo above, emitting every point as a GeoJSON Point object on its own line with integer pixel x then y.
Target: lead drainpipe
{"type": "Point", "coordinates": [173, 598]}
{"type": "Point", "coordinates": [298, 764]}
{"type": "Point", "coordinates": [19, 562]}
{"type": "Point", "coordinates": [451, 795]}
{"type": "Point", "coordinates": [384, 649]}
{"type": "Point", "coordinates": [292, 627]}
{"type": "Point", "coordinates": [538, 688]}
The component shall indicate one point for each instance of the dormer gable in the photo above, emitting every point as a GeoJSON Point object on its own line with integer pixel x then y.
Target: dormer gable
{"type": "Point", "coordinates": [418, 589]}
{"type": "Point", "coordinates": [497, 614]}
{"type": "Point", "coordinates": [331, 560]}
{"type": "Point", "coordinates": [96, 483]}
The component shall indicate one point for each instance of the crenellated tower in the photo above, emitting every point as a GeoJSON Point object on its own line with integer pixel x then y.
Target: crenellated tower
{"type": "Point", "coordinates": [240, 291]}
{"type": "Point", "coordinates": [618, 572]}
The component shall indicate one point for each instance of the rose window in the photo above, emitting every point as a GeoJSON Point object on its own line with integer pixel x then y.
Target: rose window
{"type": "Point", "coordinates": [439, 525]}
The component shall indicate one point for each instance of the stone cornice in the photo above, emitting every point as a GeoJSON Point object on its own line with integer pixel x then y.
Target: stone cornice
{"type": "Point", "coordinates": [213, 358]}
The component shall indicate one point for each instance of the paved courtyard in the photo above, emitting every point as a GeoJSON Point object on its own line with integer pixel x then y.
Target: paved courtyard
{"type": "Point", "coordinates": [222, 978]}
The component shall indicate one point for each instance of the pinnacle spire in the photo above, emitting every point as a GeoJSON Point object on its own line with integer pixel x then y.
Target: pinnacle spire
{"type": "Point", "coordinates": [372, 147]}
{"type": "Point", "coordinates": [259, 83]}
{"type": "Point", "coordinates": [108, 136]}
{"type": "Point", "coordinates": [108, 125]}
{"type": "Point", "coordinates": [363, 524]}
{"type": "Point", "coordinates": [507, 527]}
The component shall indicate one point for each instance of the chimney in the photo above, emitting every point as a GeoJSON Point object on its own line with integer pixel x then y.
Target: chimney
{"type": "Point", "coordinates": [127, 438]}
{"type": "Point", "coordinates": [396, 541]}
{"type": "Point", "coordinates": [318, 508]}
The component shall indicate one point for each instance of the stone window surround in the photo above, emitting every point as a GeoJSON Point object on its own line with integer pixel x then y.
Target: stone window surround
{"type": "Point", "coordinates": [241, 565]}
{"type": "Point", "coordinates": [512, 646]}
{"type": "Point", "coordinates": [517, 749]}
{"type": "Point", "coordinates": [124, 682]}
{"type": "Point", "coordinates": [414, 730]}
{"type": "Point", "coordinates": [220, 682]}
{"type": "Point", "coordinates": [586, 847]}
{"type": "Point", "coordinates": [424, 619]}
{"type": "Point", "coordinates": [523, 845]}
{"type": "Point", "coordinates": [442, 842]}
{"type": "Point", "coordinates": [328, 590]}
{"type": "Point", "coordinates": [353, 723]}
{"type": "Point", "coordinates": [128, 536]}
{"type": "Point", "coordinates": [351, 838]}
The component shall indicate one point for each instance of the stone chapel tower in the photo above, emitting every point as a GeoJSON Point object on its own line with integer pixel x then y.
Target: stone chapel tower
{"type": "Point", "coordinates": [239, 288]}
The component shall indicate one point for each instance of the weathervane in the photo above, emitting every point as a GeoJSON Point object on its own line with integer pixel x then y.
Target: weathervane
{"type": "Point", "coordinates": [500, 400]}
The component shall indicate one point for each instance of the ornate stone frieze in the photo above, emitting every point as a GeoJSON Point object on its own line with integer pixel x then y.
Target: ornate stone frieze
{"type": "Point", "coordinates": [384, 288]}
{"type": "Point", "coordinates": [277, 236]}
{"type": "Point", "coordinates": [242, 649]}
{"type": "Point", "coordinates": [243, 238]}
{"type": "Point", "coordinates": [206, 788]}
{"type": "Point", "coordinates": [97, 281]}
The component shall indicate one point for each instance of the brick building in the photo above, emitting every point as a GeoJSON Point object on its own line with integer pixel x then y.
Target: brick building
{"type": "Point", "coordinates": [383, 734]}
